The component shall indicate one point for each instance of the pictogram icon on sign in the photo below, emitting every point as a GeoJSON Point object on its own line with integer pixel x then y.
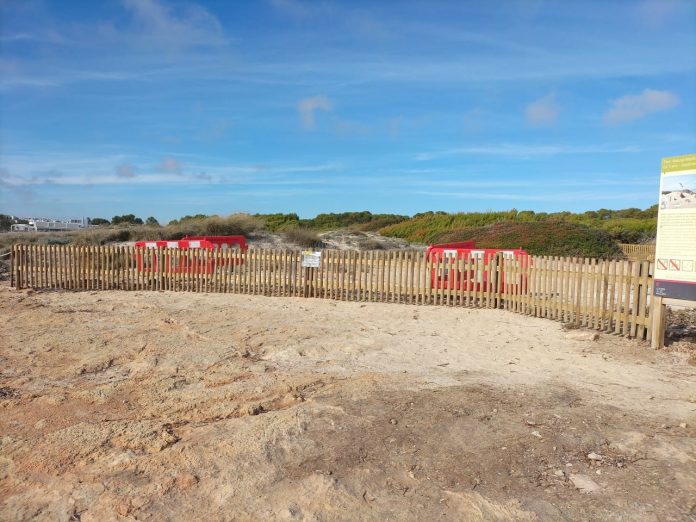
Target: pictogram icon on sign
{"type": "Point", "coordinates": [675, 264]}
{"type": "Point", "coordinates": [662, 264]}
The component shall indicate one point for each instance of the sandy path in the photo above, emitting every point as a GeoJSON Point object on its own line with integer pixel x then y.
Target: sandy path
{"type": "Point", "coordinates": [163, 405]}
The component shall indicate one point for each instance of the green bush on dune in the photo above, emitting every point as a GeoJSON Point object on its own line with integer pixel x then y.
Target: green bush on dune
{"type": "Point", "coordinates": [548, 238]}
{"type": "Point", "coordinates": [364, 220]}
{"type": "Point", "coordinates": [594, 233]}
{"type": "Point", "coordinates": [626, 226]}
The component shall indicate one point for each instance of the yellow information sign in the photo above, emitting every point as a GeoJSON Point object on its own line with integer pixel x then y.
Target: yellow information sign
{"type": "Point", "coordinates": [675, 252]}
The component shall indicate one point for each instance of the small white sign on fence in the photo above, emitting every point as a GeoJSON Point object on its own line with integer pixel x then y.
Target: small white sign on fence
{"type": "Point", "coordinates": [311, 259]}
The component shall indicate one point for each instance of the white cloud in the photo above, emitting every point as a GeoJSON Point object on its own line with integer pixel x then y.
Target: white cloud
{"type": "Point", "coordinates": [125, 170]}
{"type": "Point", "coordinates": [75, 168]}
{"type": "Point", "coordinates": [551, 197]}
{"type": "Point", "coordinates": [170, 165]}
{"type": "Point", "coordinates": [543, 111]}
{"type": "Point", "coordinates": [160, 24]}
{"type": "Point", "coordinates": [523, 151]}
{"type": "Point", "coordinates": [635, 106]}
{"type": "Point", "coordinates": [308, 106]}
{"type": "Point", "coordinates": [594, 179]}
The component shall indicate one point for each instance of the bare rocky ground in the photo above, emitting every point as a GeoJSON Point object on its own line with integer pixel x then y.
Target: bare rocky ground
{"type": "Point", "coordinates": [169, 406]}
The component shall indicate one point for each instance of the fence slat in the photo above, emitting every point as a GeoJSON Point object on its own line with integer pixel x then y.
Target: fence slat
{"type": "Point", "coordinates": [599, 294]}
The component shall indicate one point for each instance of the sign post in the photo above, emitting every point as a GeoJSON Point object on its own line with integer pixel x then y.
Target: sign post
{"type": "Point", "coordinates": [310, 261]}
{"type": "Point", "coordinates": [675, 249]}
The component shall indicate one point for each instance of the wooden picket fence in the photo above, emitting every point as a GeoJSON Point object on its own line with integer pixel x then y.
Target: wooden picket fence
{"type": "Point", "coordinates": [638, 251]}
{"type": "Point", "coordinates": [610, 296]}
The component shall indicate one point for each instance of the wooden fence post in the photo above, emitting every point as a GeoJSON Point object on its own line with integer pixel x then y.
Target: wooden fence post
{"type": "Point", "coordinates": [605, 295]}
{"type": "Point", "coordinates": [658, 316]}
{"type": "Point", "coordinates": [12, 267]}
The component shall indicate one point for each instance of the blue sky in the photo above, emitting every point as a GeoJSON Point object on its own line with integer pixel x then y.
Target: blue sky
{"type": "Point", "coordinates": [171, 108]}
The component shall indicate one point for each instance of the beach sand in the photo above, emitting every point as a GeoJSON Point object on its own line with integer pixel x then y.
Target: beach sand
{"type": "Point", "coordinates": [174, 406]}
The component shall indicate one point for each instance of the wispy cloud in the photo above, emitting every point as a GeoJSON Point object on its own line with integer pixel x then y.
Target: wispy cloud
{"type": "Point", "coordinates": [199, 178]}
{"type": "Point", "coordinates": [47, 36]}
{"type": "Point", "coordinates": [543, 111]}
{"type": "Point", "coordinates": [635, 106]}
{"type": "Point", "coordinates": [307, 108]}
{"type": "Point", "coordinates": [19, 170]}
{"type": "Point", "coordinates": [163, 25]}
{"type": "Point", "coordinates": [157, 31]}
{"type": "Point", "coordinates": [586, 180]}
{"type": "Point", "coordinates": [523, 151]}
{"type": "Point", "coordinates": [552, 197]}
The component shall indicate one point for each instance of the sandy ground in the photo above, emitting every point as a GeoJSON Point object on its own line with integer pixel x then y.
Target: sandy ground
{"type": "Point", "coordinates": [336, 239]}
{"type": "Point", "coordinates": [164, 406]}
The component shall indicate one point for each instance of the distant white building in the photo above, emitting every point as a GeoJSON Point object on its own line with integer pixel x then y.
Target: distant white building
{"type": "Point", "coordinates": [21, 227]}
{"type": "Point", "coordinates": [51, 225]}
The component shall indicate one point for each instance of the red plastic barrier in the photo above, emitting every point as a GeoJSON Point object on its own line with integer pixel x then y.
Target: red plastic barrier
{"type": "Point", "coordinates": [474, 280]}
{"type": "Point", "coordinates": [181, 263]}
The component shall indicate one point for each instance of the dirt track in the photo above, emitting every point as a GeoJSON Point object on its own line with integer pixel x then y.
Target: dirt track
{"type": "Point", "coordinates": [159, 406]}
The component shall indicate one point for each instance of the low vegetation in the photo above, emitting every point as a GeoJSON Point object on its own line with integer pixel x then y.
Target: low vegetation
{"type": "Point", "coordinates": [547, 238]}
{"type": "Point", "coordinates": [593, 233]}
{"type": "Point", "coordinates": [364, 221]}
{"type": "Point", "coordinates": [630, 225]}
{"type": "Point", "coordinates": [236, 224]}
{"type": "Point", "coordinates": [126, 219]}
{"type": "Point", "coordinates": [303, 237]}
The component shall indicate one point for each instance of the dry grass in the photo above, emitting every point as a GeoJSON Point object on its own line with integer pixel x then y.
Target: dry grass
{"type": "Point", "coordinates": [304, 238]}
{"type": "Point", "coordinates": [371, 244]}
{"type": "Point", "coordinates": [235, 224]}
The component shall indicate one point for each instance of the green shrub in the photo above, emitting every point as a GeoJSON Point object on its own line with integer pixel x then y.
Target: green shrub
{"type": "Point", "coordinates": [236, 224]}
{"type": "Point", "coordinates": [364, 220]}
{"type": "Point", "coordinates": [549, 238]}
{"type": "Point", "coordinates": [559, 233]}
{"type": "Point", "coordinates": [279, 222]}
{"type": "Point", "coordinates": [126, 219]}
{"type": "Point", "coordinates": [626, 226]}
